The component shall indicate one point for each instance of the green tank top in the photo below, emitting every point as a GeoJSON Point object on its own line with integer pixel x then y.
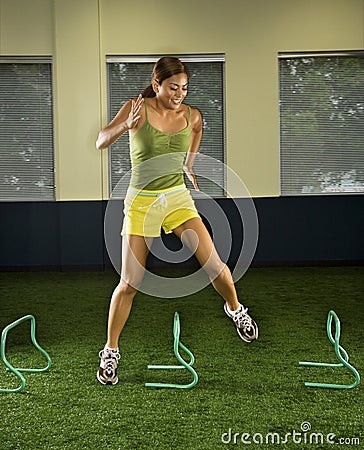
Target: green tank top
{"type": "Point", "coordinates": [156, 157]}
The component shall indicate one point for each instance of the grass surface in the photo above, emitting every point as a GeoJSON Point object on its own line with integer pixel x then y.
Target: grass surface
{"type": "Point", "coordinates": [247, 388]}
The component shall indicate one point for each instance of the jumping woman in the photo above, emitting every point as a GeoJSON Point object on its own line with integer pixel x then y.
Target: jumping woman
{"type": "Point", "coordinates": [160, 123]}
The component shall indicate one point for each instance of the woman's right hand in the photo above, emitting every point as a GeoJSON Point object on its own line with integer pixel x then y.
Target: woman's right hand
{"type": "Point", "coordinates": [126, 119]}
{"type": "Point", "coordinates": [134, 116]}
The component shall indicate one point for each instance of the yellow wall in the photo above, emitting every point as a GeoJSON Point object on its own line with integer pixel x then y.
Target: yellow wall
{"type": "Point", "coordinates": [79, 33]}
{"type": "Point", "coordinates": [77, 99]}
{"type": "Point", "coordinates": [26, 27]}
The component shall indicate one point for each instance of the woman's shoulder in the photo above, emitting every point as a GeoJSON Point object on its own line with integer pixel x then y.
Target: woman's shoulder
{"type": "Point", "coordinates": [195, 117]}
{"type": "Point", "coordinates": [193, 111]}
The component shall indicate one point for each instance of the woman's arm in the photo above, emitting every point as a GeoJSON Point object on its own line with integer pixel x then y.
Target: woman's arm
{"type": "Point", "coordinates": [125, 119]}
{"type": "Point", "coordinates": [196, 135]}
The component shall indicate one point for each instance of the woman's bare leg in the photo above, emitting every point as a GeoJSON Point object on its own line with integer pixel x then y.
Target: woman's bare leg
{"type": "Point", "coordinates": [134, 256]}
{"type": "Point", "coordinates": [194, 234]}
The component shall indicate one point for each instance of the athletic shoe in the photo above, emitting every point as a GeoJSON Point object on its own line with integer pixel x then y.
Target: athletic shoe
{"type": "Point", "coordinates": [108, 370]}
{"type": "Point", "coordinates": [245, 326]}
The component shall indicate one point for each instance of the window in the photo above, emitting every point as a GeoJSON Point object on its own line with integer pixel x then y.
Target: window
{"type": "Point", "coordinates": [26, 129]}
{"type": "Point", "coordinates": [128, 76]}
{"type": "Point", "coordinates": [322, 123]}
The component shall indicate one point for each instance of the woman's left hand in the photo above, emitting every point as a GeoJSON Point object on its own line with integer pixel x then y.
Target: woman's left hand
{"type": "Point", "coordinates": [191, 176]}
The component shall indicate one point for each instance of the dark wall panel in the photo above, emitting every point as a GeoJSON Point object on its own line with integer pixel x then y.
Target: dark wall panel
{"type": "Point", "coordinates": [52, 234]}
{"type": "Point", "coordinates": [292, 230]}
{"type": "Point", "coordinates": [29, 234]}
{"type": "Point", "coordinates": [322, 228]}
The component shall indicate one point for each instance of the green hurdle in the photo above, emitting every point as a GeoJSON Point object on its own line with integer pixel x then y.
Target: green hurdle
{"type": "Point", "coordinates": [184, 365]}
{"type": "Point", "coordinates": [341, 354]}
{"type": "Point", "coordinates": [10, 367]}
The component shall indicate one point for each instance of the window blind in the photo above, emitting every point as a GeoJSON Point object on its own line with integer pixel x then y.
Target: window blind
{"type": "Point", "coordinates": [128, 76]}
{"type": "Point", "coordinates": [322, 123]}
{"type": "Point", "coordinates": [26, 130]}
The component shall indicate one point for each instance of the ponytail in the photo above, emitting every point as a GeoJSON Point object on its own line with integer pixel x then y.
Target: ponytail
{"type": "Point", "coordinates": [148, 92]}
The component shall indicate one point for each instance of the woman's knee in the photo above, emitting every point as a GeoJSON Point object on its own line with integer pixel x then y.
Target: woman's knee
{"type": "Point", "coordinates": [215, 268]}
{"type": "Point", "coordinates": [125, 289]}
{"type": "Point", "coordinates": [220, 273]}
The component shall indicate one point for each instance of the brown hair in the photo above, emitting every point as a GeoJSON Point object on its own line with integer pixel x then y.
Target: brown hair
{"type": "Point", "coordinates": [164, 68]}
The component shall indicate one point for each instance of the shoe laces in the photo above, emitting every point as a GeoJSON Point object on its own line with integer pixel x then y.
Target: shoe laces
{"type": "Point", "coordinates": [110, 358]}
{"type": "Point", "coordinates": [242, 319]}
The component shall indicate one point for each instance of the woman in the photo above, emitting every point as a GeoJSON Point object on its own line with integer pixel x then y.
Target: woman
{"type": "Point", "coordinates": [159, 124]}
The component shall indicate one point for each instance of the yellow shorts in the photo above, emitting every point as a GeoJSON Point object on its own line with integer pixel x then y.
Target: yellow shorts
{"type": "Point", "coordinates": [146, 212]}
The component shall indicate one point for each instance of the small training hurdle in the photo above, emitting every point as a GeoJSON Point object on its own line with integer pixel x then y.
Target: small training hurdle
{"type": "Point", "coordinates": [183, 364]}
{"type": "Point", "coordinates": [341, 354]}
{"type": "Point", "coordinates": [19, 371]}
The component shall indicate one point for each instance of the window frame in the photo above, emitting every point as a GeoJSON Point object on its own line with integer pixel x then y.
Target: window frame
{"type": "Point", "coordinates": [302, 55]}
{"type": "Point", "coordinates": [23, 60]}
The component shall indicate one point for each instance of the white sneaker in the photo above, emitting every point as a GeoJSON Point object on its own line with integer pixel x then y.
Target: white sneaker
{"type": "Point", "coordinates": [108, 370]}
{"type": "Point", "coordinates": [245, 326]}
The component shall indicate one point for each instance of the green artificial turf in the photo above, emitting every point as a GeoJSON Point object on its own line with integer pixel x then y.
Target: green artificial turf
{"type": "Point", "coordinates": [253, 388]}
